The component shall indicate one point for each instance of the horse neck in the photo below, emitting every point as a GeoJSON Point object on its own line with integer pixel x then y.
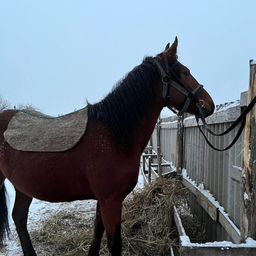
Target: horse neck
{"type": "Point", "coordinates": [131, 110]}
{"type": "Point", "coordinates": [148, 124]}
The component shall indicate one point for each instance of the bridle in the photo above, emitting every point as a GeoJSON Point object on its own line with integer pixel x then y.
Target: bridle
{"type": "Point", "coordinates": [168, 76]}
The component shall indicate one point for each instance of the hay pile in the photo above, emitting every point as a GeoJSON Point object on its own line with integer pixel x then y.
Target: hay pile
{"type": "Point", "coordinates": [147, 227]}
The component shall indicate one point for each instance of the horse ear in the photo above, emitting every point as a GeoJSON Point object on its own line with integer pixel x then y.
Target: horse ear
{"type": "Point", "coordinates": [167, 46]}
{"type": "Point", "coordinates": [172, 51]}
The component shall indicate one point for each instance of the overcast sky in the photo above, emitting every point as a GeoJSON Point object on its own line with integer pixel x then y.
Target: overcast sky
{"type": "Point", "coordinates": [55, 54]}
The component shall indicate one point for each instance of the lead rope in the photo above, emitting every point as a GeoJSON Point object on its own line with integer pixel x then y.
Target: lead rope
{"type": "Point", "coordinates": [241, 118]}
{"type": "Point", "coordinates": [231, 144]}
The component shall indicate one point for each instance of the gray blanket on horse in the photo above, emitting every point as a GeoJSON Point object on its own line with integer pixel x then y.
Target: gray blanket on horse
{"type": "Point", "coordinates": [34, 131]}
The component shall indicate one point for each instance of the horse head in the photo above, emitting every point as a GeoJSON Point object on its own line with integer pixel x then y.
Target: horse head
{"type": "Point", "coordinates": [181, 91]}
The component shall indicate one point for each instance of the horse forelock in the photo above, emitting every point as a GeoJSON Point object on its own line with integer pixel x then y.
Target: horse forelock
{"type": "Point", "coordinates": [124, 108]}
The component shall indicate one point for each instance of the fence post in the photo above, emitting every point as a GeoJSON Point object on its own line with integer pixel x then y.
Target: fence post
{"type": "Point", "coordinates": [159, 155]}
{"type": "Point", "coordinates": [179, 145]}
{"type": "Point", "coordinates": [149, 169]}
{"type": "Point", "coordinates": [144, 163]}
{"type": "Point", "coordinates": [248, 202]}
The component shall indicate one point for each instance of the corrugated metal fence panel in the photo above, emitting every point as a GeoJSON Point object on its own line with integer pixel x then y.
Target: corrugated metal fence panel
{"type": "Point", "coordinates": [193, 154]}
{"type": "Point", "coordinates": [168, 143]}
{"type": "Point", "coordinates": [154, 140]}
{"type": "Point", "coordinates": [234, 193]}
{"type": "Point", "coordinates": [216, 170]}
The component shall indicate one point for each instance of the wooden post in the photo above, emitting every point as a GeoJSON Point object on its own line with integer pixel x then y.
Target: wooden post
{"type": "Point", "coordinates": [179, 145]}
{"type": "Point", "coordinates": [159, 155]}
{"type": "Point", "coordinates": [248, 204]}
{"type": "Point", "coordinates": [149, 169]}
{"type": "Point", "coordinates": [144, 163]}
{"type": "Point", "coordinates": [151, 145]}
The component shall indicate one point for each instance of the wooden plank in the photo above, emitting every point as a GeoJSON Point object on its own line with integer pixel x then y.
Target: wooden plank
{"type": "Point", "coordinates": [145, 177]}
{"type": "Point", "coordinates": [179, 145]}
{"type": "Point", "coordinates": [163, 164]}
{"type": "Point", "coordinates": [172, 251]}
{"type": "Point", "coordinates": [248, 187]}
{"type": "Point", "coordinates": [158, 142]}
{"type": "Point", "coordinates": [150, 155]}
{"type": "Point", "coordinates": [208, 206]}
{"type": "Point", "coordinates": [178, 222]}
{"type": "Point", "coordinates": [229, 226]}
{"type": "Point", "coordinates": [243, 99]}
{"type": "Point", "coordinates": [149, 169]}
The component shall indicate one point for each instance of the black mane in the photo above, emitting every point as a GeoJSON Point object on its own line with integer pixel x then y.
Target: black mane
{"type": "Point", "coordinates": [123, 109]}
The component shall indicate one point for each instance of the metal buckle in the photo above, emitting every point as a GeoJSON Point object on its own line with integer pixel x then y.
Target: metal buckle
{"type": "Point", "coordinates": [166, 79]}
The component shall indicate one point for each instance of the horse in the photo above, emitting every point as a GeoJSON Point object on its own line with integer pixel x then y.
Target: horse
{"type": "Point", "coordinates": [104, 164]}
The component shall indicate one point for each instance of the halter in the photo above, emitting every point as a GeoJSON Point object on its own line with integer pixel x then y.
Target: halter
{"type": "Point", "coordinates": [168, 76]}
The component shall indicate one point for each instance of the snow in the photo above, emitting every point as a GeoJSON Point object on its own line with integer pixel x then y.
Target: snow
{"type": "Point", "coordinates": [201, 186]}
{"type": "Point", "coordinates": [237, 168]}
{"type": "Point", "coordinates": [184, 173]}
{"type": "Point", "coordinates": [185, 241]}
{"type": "Point", "coordinates": [250, 242]}
{"type": "Point", "coordinates": [246, 197]}
{"type": "Point", "coordinates": [227, 105]}
{"type": "Point", "coordinates": [224, 245]}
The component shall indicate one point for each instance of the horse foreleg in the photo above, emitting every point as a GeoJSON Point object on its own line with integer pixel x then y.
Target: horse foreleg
{"type": "Point", "coordinates": [20, 217]}
{"type": "Point", "coordinates": [98, 233]}
{"type": "Point", "coordinates": [111, 216]}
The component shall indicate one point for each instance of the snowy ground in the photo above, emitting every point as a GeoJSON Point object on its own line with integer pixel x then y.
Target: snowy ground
{"type": "Point", "coordinates": [39, 211]}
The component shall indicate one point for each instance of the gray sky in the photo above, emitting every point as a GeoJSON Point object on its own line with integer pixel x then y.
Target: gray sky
{"type": "Point", "coordinates": [56, 54]}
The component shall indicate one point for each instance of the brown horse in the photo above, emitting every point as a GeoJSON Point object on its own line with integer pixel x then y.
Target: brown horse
{"type": "Point", "coordinates": [104, 165]}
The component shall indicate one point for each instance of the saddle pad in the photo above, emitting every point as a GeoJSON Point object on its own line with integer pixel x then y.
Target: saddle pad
{"type": "Point", "coordinates": [33, 131]}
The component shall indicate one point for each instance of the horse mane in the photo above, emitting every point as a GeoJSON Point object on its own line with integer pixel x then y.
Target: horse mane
{"type": "Point", "coordinates": [124, 108]}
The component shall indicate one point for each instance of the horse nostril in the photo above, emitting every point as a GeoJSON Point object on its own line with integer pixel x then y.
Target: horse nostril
{"type": "Point", "coordinates": [202, 103]}
{"type": "Point", "coordinates": [204, 111]}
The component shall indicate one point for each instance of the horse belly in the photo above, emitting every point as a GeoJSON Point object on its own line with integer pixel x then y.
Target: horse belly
{"type": "Point", "coordinates": [49, 177]}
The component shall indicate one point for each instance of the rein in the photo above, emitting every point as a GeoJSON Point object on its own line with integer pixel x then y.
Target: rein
{"type": "Point", "coordinates": [211, 132]}
{"type": "Point", "coordinates": [241, 119]}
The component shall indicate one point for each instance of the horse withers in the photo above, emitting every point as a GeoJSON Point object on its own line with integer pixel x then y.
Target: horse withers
{"type": "Point", "coordinates": [104, 164]}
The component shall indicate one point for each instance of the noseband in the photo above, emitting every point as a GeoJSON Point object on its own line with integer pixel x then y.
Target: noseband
{"type": "Point", "coordinates": [169, 76]}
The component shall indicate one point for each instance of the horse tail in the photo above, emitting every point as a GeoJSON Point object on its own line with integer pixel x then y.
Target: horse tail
{"type": "Point", "coordinates": [4, 224]}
